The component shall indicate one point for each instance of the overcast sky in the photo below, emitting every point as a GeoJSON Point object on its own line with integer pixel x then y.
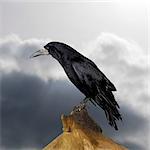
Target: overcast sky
{"type": "Point", "coordinates": [112, 34]}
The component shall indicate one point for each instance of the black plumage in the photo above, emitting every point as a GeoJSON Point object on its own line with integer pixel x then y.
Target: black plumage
{"type": "Point", "coordinates": [87, 77]}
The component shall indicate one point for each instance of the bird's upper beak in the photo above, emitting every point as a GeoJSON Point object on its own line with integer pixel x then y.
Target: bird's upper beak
{"type": "Point", "coordinates": [40, 52]}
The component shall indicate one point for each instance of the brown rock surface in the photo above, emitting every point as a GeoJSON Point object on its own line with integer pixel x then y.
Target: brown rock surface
{"type": "Point", "coordinates": [80, 132]}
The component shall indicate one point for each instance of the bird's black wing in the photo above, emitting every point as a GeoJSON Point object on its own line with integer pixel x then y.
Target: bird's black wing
{"type": "Point", "coordinates": [88, 73]}
{"type": "Point", "coordinates": [108, 84]}
{"type": "Point", "coordinates": [87, 70]}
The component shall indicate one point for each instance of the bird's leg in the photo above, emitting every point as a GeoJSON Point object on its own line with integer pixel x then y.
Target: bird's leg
{"type": "Point", "coordinates": [82, 104]}
{"type": "Point", "coordinates": [85, 100]}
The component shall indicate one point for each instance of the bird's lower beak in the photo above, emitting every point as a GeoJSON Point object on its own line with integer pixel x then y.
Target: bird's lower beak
{"type": "Point", "coordinates": [39, 53]}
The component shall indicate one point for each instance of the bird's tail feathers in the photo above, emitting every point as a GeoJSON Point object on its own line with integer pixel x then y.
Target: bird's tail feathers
{"type": "Point", "coordinates": [109, 105]}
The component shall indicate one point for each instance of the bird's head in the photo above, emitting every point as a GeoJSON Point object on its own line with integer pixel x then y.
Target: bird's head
{"type": "Point", "coordinates": [55, 49]}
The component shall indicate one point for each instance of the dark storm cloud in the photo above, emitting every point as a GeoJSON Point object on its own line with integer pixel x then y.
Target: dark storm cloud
{"type": "Point", "coordinates": [31, 109]}
{"type": "Point", "coordinates": [134, 146]}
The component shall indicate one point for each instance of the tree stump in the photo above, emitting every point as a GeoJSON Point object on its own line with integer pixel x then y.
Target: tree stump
{"type": "Point", "coordinates": [80, 132]}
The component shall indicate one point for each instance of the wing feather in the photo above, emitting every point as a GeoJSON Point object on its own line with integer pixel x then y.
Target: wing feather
{"type": "Point", "coordinates": [87, 70]}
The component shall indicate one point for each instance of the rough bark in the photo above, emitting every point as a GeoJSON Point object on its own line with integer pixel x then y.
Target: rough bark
{"type": "Point", "coordinates": [80, 132]}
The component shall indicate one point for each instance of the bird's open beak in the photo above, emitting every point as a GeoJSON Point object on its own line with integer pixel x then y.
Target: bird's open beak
{"type": "Point", "coordinates": [40, 52]}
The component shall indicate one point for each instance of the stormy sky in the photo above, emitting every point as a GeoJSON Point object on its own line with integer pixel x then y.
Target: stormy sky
{"type": "Point", "coordinates": [35, 92]}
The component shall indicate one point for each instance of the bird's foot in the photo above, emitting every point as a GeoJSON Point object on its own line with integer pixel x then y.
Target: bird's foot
{"type": "Point", "coordinates": [82, 105]}
{"type": "Point", "coordinates": [79, 107]}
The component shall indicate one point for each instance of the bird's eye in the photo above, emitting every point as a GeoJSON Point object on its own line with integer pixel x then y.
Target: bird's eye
{"type": "Point", "coordinates": [47, 47]}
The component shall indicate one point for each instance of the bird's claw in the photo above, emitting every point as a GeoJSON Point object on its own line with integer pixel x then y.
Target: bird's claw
{"type": "Point", "coordinates": [79, 107]}
{"type": "Point", "coordinates": [82, 105]}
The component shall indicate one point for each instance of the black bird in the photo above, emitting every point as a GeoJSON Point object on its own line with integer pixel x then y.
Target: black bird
{"type": "Point", "coordinates": [87, 77]}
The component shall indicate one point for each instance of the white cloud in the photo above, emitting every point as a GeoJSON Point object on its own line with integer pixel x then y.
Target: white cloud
{"type": "Point", "coordinates": [109, 45]}
{"type": "Point", "coordinates": [15, 54]}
